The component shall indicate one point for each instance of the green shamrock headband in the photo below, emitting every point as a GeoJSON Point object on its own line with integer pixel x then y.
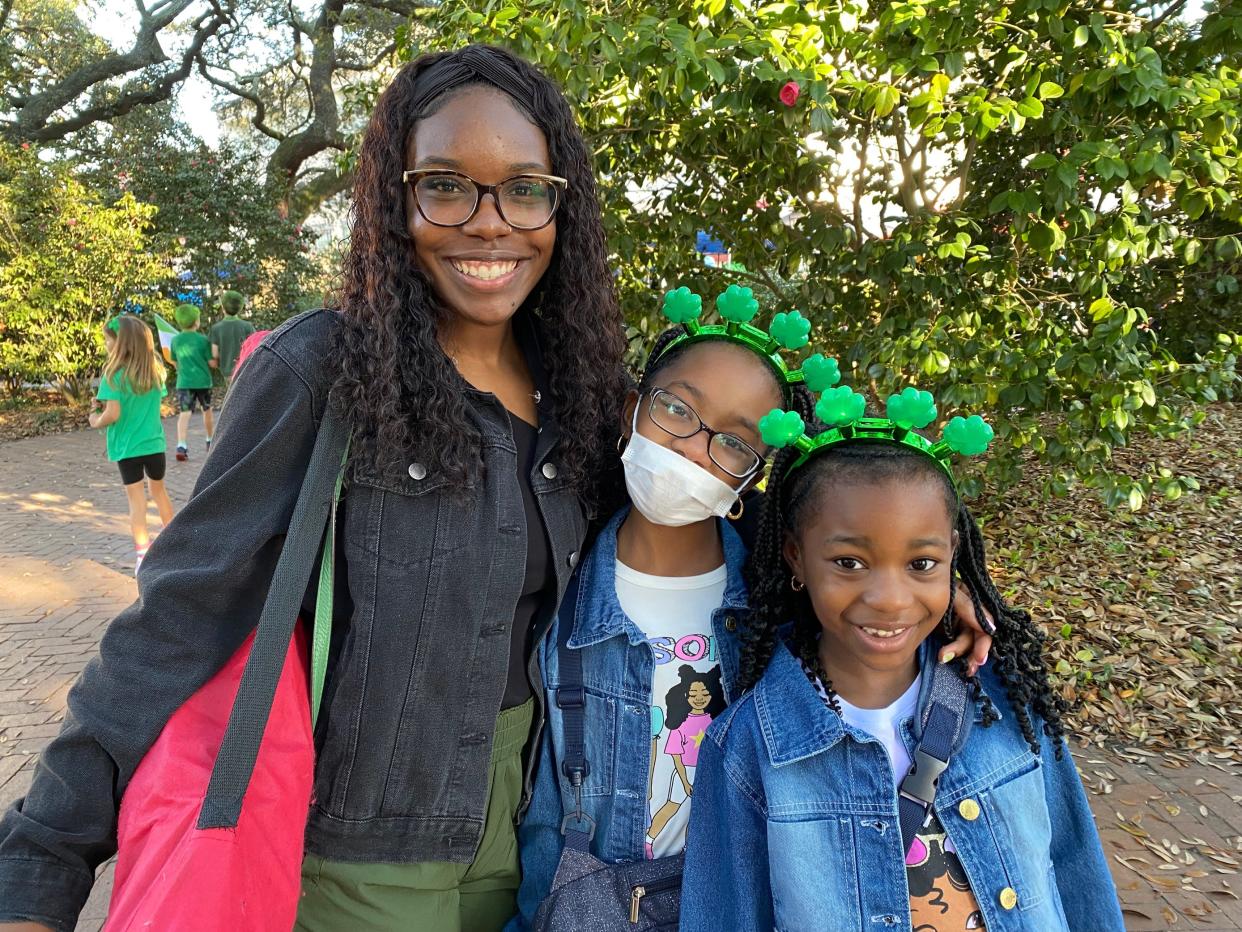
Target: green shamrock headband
{"type": "Point", "coordinates": [738, 307]}
{"type": "Point", "coordinates": [843, 410]}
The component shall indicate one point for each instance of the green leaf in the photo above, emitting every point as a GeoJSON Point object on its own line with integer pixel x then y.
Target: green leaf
{"type": "Point", "coordinates": [886, 100]}
{"type": "Point", "coordinates": [1101, 308]}
{"type": "Point", "coordinates": [715, 69]}
{"type": "Point", "coordinates": [1031, 108]}
{"type": "Point", "coordinates": [1081, 35]}
{"type": "Point", "coordinates": [1050, 90]}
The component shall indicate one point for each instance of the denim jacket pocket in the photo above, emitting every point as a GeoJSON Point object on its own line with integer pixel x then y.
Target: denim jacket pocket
{"type": "Point", "coordinates": [405, 521]}
{"type": "Point", "coordinates": [601, 746]}
{"type": "Point", "coordinates": [1017, 817]}
{"type": "Point", "coordinates": [795, 872]}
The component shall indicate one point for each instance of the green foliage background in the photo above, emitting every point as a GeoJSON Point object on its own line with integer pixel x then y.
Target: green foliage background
{"type": "Point", "coordinates": [1029, 208]}
{"type": "Point", "coordinates": [68, 259]}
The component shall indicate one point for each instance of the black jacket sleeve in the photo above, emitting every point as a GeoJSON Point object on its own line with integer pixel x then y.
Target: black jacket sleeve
{"type": "Point", "coordinates": [201, 590]}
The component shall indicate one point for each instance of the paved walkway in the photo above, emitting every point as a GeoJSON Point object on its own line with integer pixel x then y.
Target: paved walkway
{"type": "Point", "coordinates": [1173, 837]}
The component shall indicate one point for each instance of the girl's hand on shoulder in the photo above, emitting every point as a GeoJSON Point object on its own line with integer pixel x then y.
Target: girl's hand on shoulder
{"type": "Point", "coordinates": [974, 637]}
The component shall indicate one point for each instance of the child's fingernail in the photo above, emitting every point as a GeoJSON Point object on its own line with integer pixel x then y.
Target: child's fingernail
{"type": "Point", "coordinates": [948, 658]}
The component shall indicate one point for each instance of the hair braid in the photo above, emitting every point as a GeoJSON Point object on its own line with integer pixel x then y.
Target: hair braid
{"type": "Point", "coordinates": [1018, 643]}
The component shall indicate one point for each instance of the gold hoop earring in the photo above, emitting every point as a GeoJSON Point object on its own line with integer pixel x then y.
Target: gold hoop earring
{"type": "Point", "coordinates": [741, 508]}
{"type": "Point", "coordinates": [796, 584]}
{"type": "Point", "coordinates": [620, 443]}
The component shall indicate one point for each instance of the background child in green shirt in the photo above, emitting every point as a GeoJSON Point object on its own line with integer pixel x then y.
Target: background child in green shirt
{"type": "Point", "coordinates": [130, 392]}
{"type": "Point", "coordinates": [191, 353]}
{"type": "Point", "coordinates": [228, 335]}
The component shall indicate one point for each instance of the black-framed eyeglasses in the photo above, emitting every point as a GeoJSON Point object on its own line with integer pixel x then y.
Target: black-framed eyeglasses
{"type": "Point", "coordinates": [728, 451]}
{"type": "Point", "coordinates": [450, 199]}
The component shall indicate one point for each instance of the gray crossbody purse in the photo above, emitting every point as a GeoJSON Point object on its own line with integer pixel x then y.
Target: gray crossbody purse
{"type": "Point", "coordinates": [587, 894]}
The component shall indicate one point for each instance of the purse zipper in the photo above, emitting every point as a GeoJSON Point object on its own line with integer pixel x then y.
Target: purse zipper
{"type": "Point", "coordinates": [642, 890]}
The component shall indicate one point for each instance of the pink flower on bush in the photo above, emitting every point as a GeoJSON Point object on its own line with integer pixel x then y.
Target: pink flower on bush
{"type": "Point", "coordinates": [790, 93]}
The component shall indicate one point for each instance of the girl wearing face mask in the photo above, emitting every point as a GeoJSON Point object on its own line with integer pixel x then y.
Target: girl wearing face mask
{"type": "Point", "coordinates": [660, 599]}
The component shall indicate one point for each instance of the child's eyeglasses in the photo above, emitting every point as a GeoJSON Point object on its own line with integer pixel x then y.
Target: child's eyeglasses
{"type": "Point", "coordinates": [728, 451]}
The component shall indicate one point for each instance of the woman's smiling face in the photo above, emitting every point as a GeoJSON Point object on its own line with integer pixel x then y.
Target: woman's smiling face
{"type": "Point", "coordinates": [484, 269]}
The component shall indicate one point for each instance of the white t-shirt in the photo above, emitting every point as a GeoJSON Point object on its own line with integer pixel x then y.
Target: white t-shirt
{"type": "Point", "coordinates": [675, 614]}
{"type": "Point", "coordinates": [884, 725]}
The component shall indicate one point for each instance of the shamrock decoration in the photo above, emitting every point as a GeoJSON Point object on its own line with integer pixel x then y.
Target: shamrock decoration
{"type": "Point", "coordinates": [820, 372]}
{"type": "Point", "coordinates": [682, 304]}
{"type": "Point", "coordinates": [791, 330]}
{"type": "Point", "coordinates": [912, 408]}
{"type": "Point", "coordinates": [968, 436]}
{"type": "Point", "coordinates": [737, 304]}
{"type": "Point", "coordinates": [781, 428]}
{"type": "Point", "coordinates": [838, 407]}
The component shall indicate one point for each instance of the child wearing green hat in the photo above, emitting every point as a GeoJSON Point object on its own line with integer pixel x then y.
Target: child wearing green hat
{"type": "Point", "coordinates": [191, 353]}
{"type": "Point", "coordinates": [228, 335]}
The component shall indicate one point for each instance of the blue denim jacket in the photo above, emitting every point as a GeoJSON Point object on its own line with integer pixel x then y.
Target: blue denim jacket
{"type": "Point", "coordinates": [618, 666]}
{"type": "Point", "coordinates": [794, 824]}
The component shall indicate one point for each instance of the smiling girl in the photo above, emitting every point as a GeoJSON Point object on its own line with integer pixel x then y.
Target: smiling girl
{"type": "Point", "coordinates": [858, 784]}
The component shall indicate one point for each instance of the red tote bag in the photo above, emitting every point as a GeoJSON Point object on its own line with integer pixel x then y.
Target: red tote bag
{"type": "Point", "coordinates": [211, 825]}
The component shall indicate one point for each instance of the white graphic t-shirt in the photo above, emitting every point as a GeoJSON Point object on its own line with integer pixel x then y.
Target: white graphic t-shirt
{"type": "Point", "coordinates": [675, 613]}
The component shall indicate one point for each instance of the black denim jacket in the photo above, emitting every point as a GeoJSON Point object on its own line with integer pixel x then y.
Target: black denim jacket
{"type": "Point", "coordinates": [421, 637]}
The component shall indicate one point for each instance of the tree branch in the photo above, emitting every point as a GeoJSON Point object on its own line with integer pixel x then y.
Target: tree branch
{"type": "Point", "coordinates": [859, 186]}
{"type": "Point", "coordinates": [1173, 10]}
{"type": "Point", "coordinates": [258, 121]}
{"type": "Point", "coordinates": [33, 120]}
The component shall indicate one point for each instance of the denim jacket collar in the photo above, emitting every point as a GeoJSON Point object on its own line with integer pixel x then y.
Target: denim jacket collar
{"type": "Point", "coordinates": [797, 723]}
{"type": "Point", "coordinates": [598, 590]}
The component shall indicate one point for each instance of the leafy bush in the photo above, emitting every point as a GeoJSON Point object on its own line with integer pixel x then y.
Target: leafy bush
{"type": "Point", "coordinates": [1030, 208]}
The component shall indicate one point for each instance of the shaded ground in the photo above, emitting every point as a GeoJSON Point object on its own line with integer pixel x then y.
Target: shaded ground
{"type": "Point", "coordinates": [1160, 761]}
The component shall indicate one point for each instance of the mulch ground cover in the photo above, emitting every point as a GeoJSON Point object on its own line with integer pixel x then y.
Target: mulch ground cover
{"type": "Point", "coordinates": [1142, 611]}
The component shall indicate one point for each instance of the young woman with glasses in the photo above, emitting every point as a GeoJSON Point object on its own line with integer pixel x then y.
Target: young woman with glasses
{"type": "Point", "coordinates": [661, 602]}
{"type": "Point", "coordinates": [475, 350]}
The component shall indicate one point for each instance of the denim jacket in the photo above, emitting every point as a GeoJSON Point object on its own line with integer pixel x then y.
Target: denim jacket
{"type": "Point", "coordinates": [618, 667]}
{"type": "Point", "coordinates": [427, 585]}
{"type": "Point", "coordinates": [795, 827]}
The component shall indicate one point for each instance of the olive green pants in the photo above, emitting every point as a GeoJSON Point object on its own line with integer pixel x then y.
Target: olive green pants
{"type": "Point", "coordinates": [339, 896]}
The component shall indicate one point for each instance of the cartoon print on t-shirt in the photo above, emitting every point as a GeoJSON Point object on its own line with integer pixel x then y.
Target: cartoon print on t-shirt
{"type": "Point", "coordinates": [691, 705]}
{"type": "Point", "coordinates": [940, 896]}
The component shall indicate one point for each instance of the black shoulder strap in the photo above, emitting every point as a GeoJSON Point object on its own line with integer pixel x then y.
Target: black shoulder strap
{"type": "Point", "coordinates": [234, 765]}
{"type": "Point", "coordinates": [577, 827]}
{"type": "Point", "coordinates": [946, 722]}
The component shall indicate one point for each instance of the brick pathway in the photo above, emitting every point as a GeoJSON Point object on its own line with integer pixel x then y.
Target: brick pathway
{"type": "Point", "coordinates": [1173, 837]}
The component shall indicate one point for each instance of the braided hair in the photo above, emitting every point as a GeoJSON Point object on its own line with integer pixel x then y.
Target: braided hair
{"type": "Point", "coordinates": [1017, 649]}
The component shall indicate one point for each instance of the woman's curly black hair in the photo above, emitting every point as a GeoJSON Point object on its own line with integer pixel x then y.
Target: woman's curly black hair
{"type": "Point", "coordinates": [398, 387]}
{"type": "Point", "coordinates": [1017, 648]}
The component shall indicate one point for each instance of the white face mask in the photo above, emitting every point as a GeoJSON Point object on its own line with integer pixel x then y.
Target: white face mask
{"type": "Point", "coordinates": [669, 489]}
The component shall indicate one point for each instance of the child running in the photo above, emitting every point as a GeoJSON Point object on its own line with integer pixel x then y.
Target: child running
{"type": "Point", "coordinates": [191, 353]}
{"type": "Point", "coordinates": [653, 625]}
{"type": "Point", "coordinates": [822, 799]}
{"type": "Point", "coordinates": [131, 389]}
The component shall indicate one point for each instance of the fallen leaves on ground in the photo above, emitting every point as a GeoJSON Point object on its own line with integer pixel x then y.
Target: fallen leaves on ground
{"type": "Point", "coordinates": [1142, 611]}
